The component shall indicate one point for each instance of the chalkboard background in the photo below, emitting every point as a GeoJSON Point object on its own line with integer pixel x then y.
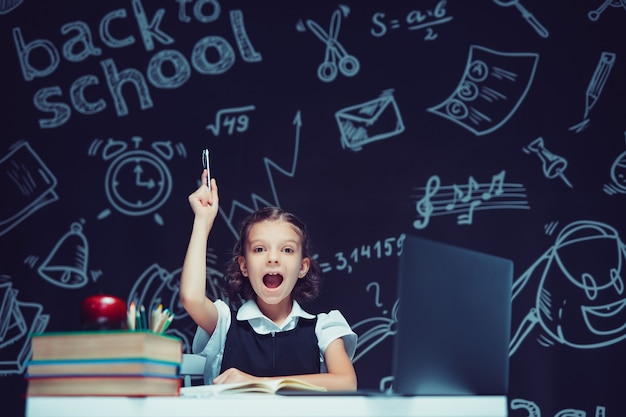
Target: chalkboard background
{"type": "Point", "coordinates": [468, 122]}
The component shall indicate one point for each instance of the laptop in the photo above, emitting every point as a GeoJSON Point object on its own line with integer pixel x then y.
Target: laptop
{"type": "Point", "coordinates": [453, 321]}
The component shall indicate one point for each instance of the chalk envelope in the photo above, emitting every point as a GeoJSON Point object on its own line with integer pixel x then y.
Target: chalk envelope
{"type": "Point", "coordinates": [370, 121]}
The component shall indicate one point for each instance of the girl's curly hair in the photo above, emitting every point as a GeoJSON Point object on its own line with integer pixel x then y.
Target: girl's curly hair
{"type": "Point", "coordinates": [306, 289]}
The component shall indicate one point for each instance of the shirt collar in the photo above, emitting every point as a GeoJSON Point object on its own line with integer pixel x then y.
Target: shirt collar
{"type": "Point", "coordinates": [250, 311]}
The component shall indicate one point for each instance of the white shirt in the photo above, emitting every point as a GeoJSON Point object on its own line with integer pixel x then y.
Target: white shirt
{"type": "Point", "coordinates": [329, 327]}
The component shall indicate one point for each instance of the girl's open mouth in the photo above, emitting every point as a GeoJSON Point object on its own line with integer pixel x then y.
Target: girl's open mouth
{"type": "Point", "coordinates": [272, 280]}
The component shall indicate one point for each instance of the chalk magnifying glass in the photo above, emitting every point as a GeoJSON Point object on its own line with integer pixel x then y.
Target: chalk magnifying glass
{"type": "Point", "coordinates": [594, 15]}
{"type": "Point", "coordinates": [530, 18]}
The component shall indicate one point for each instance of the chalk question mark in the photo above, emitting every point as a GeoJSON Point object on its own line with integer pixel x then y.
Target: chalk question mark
{"type": "Point", "coordinates": [376, 285]}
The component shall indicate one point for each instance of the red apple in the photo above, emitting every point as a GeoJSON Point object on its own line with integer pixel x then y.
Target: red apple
{"type": "Point", "coordinates": [103, 312]}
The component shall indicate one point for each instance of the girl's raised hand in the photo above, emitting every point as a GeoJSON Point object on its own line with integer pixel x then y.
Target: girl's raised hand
{"type": "Point", "coordinates": [204, 201]}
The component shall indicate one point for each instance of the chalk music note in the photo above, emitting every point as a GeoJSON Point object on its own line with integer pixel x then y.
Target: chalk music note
{"type": "Point", "coordinates": [467, 218]}
{"type": "Point", "coordinates": [496, 187]}
{"type": "Point", "coordinates": [457, 194]}
{"type": "Point", "coordinates": [460, 195]}
{"type": "Point", "coordinates": [424, 206]}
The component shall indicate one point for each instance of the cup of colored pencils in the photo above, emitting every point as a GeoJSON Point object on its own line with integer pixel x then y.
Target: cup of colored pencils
{"type": "Point", "coordinates": [157, 321]}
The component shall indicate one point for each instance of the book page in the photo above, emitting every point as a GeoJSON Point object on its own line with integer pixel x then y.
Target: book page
{"type": "Point", "coordinates": [255, 387]}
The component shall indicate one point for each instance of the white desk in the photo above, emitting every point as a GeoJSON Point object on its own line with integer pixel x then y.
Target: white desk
{"type": "Point", "coordinates": [261, 405]}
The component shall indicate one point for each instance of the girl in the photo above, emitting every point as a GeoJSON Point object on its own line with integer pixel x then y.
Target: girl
{"type": "Point", "coordinates": [270, 336]}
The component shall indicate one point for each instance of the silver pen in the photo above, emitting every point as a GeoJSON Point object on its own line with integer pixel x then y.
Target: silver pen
{"type": "Point", "coordinates": [205, 164]}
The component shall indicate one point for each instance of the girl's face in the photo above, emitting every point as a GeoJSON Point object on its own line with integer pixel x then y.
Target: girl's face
{"type": "Point", "coordinates": [273, 261]}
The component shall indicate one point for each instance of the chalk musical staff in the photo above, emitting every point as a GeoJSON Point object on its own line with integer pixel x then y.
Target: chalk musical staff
{"type": "Point", "coordinates": [463, 200]}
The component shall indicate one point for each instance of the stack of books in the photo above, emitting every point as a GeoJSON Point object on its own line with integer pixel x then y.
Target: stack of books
{"type": "Point", "coordinates": [104, 363]}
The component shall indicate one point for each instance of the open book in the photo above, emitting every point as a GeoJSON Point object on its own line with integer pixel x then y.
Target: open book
{"type": "Point", "coordinates": [256, 387]}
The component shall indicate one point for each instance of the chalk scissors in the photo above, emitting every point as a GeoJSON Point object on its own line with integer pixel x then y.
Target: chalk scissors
{"type": "Point", "coordinates": [335, 57]}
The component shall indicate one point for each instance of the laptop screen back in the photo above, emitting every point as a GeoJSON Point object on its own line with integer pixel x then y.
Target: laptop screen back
{"type": "Point", "coordinates": [453, 321]}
